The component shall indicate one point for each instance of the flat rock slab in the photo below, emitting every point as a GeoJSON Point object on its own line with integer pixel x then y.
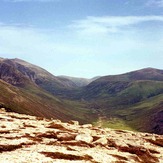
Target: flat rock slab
{"type": "Point", "coordinates": [28, 139]}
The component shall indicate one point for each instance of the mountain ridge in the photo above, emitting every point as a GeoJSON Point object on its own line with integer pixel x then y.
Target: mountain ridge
{"type": "Point", "coordinates": [21, 93]}
{"type": "Point", "coordinates": [118, 101]}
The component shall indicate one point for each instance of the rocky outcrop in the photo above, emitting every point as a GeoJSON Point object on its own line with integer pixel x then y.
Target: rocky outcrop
{"type": "Point", "coordinates": [31, 139]}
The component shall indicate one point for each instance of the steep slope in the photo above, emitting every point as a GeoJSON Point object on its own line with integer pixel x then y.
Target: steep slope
{"type": "Point", "coordinates": [21, 92]}
{"type": "Point", "coordinates": [123, 101]}
{"type": "Point", "coordinates": [18, 72]}
{"type": "Point", "coordinates": [32, 139]}
{"type": "Point", "coordinates": [10, 74]}
{"type": "Point", "coordinates": [23, 101]}
{"type": "Point", "coordinates": [132, 101]}
{"type": "Point", "coordinates": [147, 81]}
{"type": "Point", "coordinates": [35, 101]}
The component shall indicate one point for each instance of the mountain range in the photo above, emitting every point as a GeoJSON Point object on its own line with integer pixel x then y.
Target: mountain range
{"type": "Point", "coordinates": [80, 82]}
{"type": "Point", "coordinates": [132, 101]}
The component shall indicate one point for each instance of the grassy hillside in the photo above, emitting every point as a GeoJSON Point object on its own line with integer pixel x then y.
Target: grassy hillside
{"type": "Point", "coordinates": [129, 101]}
{"type": "Point", "coordinates": [132, 101]}
{"type": "Point", "coordinates": [145, 116]}
{"type": "Point", "coordinates": [36, 101]}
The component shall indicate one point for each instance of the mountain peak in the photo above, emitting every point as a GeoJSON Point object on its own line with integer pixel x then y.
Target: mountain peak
{"type": "Point", "coordinates": [18, 60]}
{"type": "Point", "coordinates": [147, 74]}
{"type": "Point", "coordinates": [149, 69]}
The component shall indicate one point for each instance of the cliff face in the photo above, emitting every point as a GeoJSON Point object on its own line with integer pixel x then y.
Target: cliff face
{"type": "Point", "coordinates": [30, 139]}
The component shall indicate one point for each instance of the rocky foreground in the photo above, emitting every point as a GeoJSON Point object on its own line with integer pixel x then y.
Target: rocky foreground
{"type": "Point", "coordinates": [29, 139]}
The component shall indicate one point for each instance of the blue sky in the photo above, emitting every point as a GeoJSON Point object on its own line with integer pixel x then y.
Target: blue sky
{"type": "Point", "coordinates": [83, 38]}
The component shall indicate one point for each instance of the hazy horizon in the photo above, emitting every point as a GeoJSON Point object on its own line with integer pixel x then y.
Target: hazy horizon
{"type": "Point", "coordinates": [83, 38]}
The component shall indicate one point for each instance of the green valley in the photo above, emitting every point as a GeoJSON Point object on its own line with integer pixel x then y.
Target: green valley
{"type": "Point", "coordinates": [131, 101]}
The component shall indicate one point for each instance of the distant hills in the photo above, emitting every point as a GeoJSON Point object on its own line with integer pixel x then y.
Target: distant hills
{"type": "Point", "coordinates": [132, 101]}
{"type": "Point", "coordinates": [80, 82]}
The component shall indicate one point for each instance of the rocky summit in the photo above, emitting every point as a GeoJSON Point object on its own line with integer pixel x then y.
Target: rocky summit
{"type": "Point", "coordinates": [30, 139]}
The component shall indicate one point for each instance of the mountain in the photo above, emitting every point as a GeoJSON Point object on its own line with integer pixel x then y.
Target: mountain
{"type": "Point", "coordinates": [16, 71]}
{"type": "Point", "coordinates": [80, 82]}
{"type": "Point", "coordinates": [26, 88]}
{"type": "Point", "coordinates": [30, 139]}
{"type": "Point", "coordinates": [147, 82]}
{"type": "Point", "coordinates": [131, 101]}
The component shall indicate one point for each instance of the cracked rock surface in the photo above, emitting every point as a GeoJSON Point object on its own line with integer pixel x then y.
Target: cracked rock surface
{"type": "Point", "coordinates": [29, 139]}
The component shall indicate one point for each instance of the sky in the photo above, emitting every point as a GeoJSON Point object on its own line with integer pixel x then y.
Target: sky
{"type": "Point", "coordinates": [83, 38]}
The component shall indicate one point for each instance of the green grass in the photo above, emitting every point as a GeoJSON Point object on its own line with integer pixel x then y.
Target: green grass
{"type": "Point", "coordinates": [125, 104]}
{"type": "Point", "coordinates": [114, 123]}
{"type": "Point", "coordinates": [36, 101]}
{"type": "Point", "coordinates": [134, 117]}
{"type": "Point", "coordinates": [133, 107]}
{"type": "Point", "coordinates": [81, 111]}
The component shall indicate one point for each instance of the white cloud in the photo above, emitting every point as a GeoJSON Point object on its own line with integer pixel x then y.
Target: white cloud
{"type": "Point", "coordinates": [110, 24]}
{"type": "Point", "coordinates": [63, 51]}
{"type": "Point", "coordinates": [54, 49]}
{"type": "Point", "coordinates": [158, 3]}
